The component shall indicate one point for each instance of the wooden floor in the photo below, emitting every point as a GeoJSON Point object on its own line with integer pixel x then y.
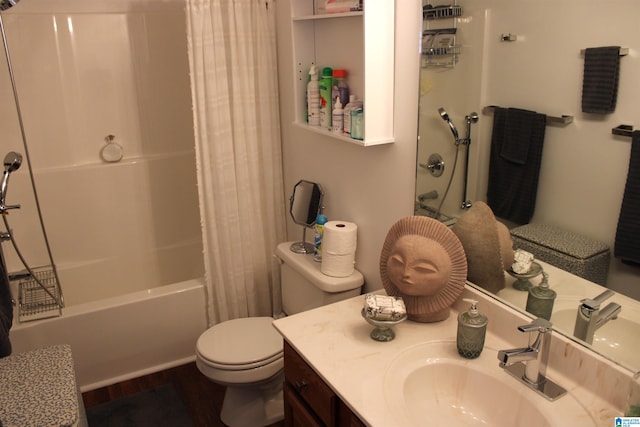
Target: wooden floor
{"type": "Point", "coordinates": [202, 397]}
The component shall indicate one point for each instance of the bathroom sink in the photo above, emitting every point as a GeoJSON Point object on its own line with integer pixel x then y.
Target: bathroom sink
{"type": "Point", "coordinates": [430, 384]}
{"type": "Point", "coordinates": [614, 339]}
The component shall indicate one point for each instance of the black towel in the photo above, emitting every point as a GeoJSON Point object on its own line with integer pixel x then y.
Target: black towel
{"type": "Point", "coordinates": [513, 183]}
{"type": "Point", "coordinates": [627, 244]}
{"type": "Point", "coordinates": [600, 79]}
{"type": "Point", "coordinates": [6, 310]}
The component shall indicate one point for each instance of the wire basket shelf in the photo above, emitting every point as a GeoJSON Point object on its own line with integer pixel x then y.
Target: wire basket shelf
{"type": "Point", "coordinates": [36, 302]}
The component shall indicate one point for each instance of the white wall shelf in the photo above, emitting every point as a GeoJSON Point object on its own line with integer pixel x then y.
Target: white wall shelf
{"type": "Point", "coordinates": [361, 43]}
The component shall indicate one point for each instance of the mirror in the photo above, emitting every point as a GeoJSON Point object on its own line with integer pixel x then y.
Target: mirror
{"type": "Point", "coordinates": [516, 54]}
{"type": "Point", "coordinates": [304, 206]}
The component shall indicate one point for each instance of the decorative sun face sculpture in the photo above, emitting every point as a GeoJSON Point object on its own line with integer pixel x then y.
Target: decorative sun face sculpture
{"type": "Point", "coordinates": [423, 262]}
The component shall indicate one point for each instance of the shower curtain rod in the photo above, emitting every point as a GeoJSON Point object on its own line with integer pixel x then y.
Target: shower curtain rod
{"type": "Point", "coordinates": [562, 120]}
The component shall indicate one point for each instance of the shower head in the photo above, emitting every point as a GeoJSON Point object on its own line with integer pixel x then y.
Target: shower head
{"type": "Point", "coordinates": [7, 4]}
{"type": "Point", "coordinates": [446, 118]}
{"type": "Point", "coordinates": [12, 162]}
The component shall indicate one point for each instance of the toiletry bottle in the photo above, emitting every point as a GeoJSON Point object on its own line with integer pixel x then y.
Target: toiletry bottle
{"type": "Point", "coordinates": [325, 98]}
{"type": "Point", "coordinates": [353, 103]}
{"type": "Point", "coordinates": [313, 98]}
{"type": "Point", "coordinates": [540, 299]}
{"type": "Point", "coordinates": [357, 123]}
{"type": "Point", "coordinates": [340, 87]}
{"type": "Point", "coordinates": [337, 116]}
{"type": "Point", "coordinates": [321, 220]}
{"type": "Point", "coordinates": [472, 328]}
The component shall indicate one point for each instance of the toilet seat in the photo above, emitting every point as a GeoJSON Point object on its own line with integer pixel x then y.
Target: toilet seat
{"type": "Point", "coordinates": [240, 344]}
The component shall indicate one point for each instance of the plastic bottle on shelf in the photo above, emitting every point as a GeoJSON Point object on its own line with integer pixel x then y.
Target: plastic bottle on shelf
{"type": "Point", "coordinates": [340, 87]}
{"type": "Point", "coordinates": [354, 102]}
{"type": "Point", "coordinates": [357, 123]}
{"type": "Point", "coordinates": [326, 82]}
{"type": "Point", "coordinates": [337, 116]}
{"type": "Point", "coordinates": [313, 98]}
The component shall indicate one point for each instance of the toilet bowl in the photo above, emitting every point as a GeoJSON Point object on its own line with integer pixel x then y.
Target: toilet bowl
{"type": "Point", "coordinates": [246, 355]}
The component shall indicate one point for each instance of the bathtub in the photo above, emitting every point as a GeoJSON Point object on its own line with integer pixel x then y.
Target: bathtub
{"type": "Point", "coordinates": [123, 337]}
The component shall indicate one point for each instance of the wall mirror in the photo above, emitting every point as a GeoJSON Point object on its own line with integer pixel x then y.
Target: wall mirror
{"type": "Point", "coordinates": [305, 204]}
{"type": "Point", "coordinates": [496, 52]}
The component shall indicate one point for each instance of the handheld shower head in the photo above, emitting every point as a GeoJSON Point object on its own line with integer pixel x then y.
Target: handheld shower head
{"type": "Point", "coordinates": [12, 162]}
{"type": "Point", "coordinates": [7, 4]}
{"type": "Point", "coordinates": [446, 118]}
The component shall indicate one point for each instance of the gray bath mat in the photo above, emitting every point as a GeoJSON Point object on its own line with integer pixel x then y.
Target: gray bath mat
{"type": "Point", "coordinates": [157, 407]}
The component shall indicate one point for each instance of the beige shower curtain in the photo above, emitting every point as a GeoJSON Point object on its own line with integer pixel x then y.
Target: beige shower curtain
{"type": "Point", "coordinates": [232, 57]}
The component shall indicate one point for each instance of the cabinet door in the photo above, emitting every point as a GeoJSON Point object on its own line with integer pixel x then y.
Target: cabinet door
{"type": "Point", "coordinates": [309, 386]}
{"type": "Point", "coordinates": [296, 413]}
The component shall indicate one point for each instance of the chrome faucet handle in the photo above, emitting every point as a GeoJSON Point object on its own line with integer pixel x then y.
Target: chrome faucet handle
{"type": "Point", "coordinates": [594, 304]}
{"type": "Point", "coordinates": [538, 325]}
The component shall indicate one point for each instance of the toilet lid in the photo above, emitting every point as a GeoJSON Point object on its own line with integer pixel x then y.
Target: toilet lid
{"type": "Point", "coordinates": [241, 342]}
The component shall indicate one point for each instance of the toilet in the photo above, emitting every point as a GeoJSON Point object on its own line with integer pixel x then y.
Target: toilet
{"type": "Point", "coordinates": [246, 355]}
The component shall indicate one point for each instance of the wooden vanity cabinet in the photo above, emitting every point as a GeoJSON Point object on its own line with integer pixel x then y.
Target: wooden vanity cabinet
{"type": "Point", "coordinates": [308, 400]}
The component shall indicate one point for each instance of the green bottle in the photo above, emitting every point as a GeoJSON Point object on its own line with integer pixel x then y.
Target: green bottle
{"type": "Point", "coordinates": [326, 83]}
{"type": "Point", "coordinates": [540, 299]}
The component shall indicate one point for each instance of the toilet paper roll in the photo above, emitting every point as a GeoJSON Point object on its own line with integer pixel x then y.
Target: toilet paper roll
{"type": "Point", "coordinates": [339, 238]}
{"type": "Point", "coordinates": [339, 243]}
{"type": "Point", "coordinates": [338, 265]}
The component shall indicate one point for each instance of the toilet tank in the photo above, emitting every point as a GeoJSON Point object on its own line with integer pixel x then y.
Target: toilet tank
{"type": "Point", "coordinates": [305, 287]}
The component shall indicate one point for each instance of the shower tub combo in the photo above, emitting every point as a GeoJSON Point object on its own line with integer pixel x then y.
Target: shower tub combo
{"type": "Point", "coordinates": [125, 235]}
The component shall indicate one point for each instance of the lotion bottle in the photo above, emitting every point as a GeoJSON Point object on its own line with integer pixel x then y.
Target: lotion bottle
{"type": "Point", "coordinates": [337, 117]}
{"type": "Point", "coordinates": [472, 329]}
{"type": "Point", "coordinates": [325, 97]}
{"type": "Point", "coordinates": [313, 98]}
{"type": "Point", "coordinates": [540, 299]}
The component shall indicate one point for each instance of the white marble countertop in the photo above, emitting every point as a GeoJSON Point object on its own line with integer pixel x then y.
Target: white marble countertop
{"type": "Point", "coordinates": [335, 341]}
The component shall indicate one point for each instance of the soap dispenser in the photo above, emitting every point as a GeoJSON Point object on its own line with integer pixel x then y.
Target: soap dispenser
{"type": "Point", "coordinates": [472, 328]}
{"type": "Point", "coordinates": [541, 298]}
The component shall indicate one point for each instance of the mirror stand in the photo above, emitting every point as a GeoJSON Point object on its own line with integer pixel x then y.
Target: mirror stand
{"type": "Point", "coordinates": [302, 247]}
{"type": "Point", "coordinates": [304, 206]}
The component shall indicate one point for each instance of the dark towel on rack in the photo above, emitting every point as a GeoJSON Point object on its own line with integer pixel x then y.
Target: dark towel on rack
{"type": "Point", "coordinates": [600, 79]}
{"type": "Point", "coordinates": [627, 243]}
{"type": "Point", "coordinates": [513, 178]}
{"type": "Point", "coordinates": [6, 310]}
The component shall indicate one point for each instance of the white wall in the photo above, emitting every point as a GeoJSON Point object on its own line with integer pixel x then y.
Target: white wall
{"type": "Point", "coordinates": [371, 186]}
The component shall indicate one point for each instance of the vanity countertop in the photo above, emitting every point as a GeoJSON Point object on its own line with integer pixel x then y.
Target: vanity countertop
{"type": "Point", "coordinates": [335, 341]}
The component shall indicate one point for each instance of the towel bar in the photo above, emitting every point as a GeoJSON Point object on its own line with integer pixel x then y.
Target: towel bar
{"type": "Point", "coordinates": [624, 51]}
{"type": "Point", "coordinates": [562, 120]}
{"type": "Point", "coordinates": [623, 130]}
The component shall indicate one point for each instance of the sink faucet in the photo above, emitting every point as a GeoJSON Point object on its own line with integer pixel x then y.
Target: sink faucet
{"type": "Point", "coordinates": [590, 318]}
{"type": "Point", "coordinates": [529, 364]}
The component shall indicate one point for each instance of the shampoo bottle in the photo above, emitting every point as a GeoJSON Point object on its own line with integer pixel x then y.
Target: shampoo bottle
{"type": "Point", "coordinates": [540, 299]}
{"type": "Point", "coordinates": [313, 98]}
{"type": "Point", "coordinates": [472, 328]}
{"type": "Point", "coordinates": [325, 98]}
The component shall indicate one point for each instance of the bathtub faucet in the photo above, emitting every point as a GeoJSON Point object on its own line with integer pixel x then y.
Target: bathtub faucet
{"type": "Point", "coordinates": [590, 318]}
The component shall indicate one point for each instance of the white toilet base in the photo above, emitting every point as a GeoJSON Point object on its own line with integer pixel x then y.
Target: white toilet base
{"type": "Point", "coordinates": [253, 406]}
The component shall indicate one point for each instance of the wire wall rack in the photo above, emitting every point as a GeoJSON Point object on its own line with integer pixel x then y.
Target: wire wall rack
{"type": "Point", "coordinates": [36, 302]}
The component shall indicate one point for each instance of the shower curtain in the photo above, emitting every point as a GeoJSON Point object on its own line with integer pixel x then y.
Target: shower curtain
{"type": "Point", "coordinates": [232, 57]}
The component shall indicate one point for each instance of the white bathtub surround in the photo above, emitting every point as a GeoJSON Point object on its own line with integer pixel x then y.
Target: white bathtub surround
{"type": "Point", "coordinates": [124, 337]}
{"type": "Point", "coordinates": [335, 341]}
{"type": "Point", "coordinates": [235, 109]}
